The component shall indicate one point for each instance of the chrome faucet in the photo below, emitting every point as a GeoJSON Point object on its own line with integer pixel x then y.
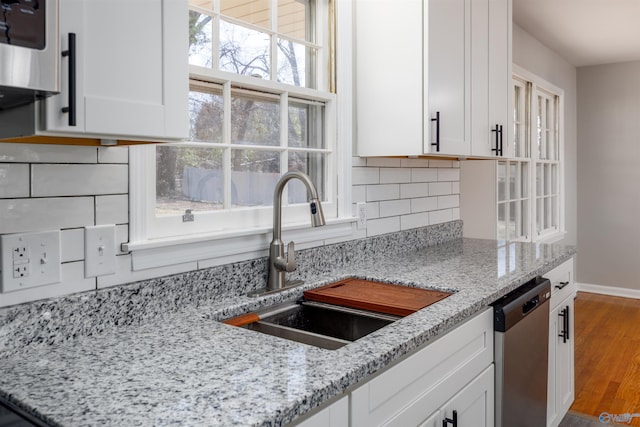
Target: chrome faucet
{"type": "Point", "coordinates": [279, 265]}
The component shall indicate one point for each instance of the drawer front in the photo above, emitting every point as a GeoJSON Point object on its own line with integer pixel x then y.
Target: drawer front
{"type": "Point", "coordinates": [562, 282]}
{"type": "Point", "coordinates": [409, 392]}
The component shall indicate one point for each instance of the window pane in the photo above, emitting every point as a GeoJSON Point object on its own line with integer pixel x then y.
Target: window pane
{"type": "Point", "coordinates": [539, 128]}
{"type": "Point", "coordinates": [524, 215]}
{"type": "Point", "coordinates": [255, 120]}
{"type": "Point", "coordinates": [547, 180]}
{"type": "Point", "coordinates": [188, 178]}
{"type": "Point", "coordinates": [514, 188]}
{"type": "Point", "coordinates": [256, 12]}
{"type": "Point", "coordinates": [502, 221]}
{"type": "Point", "coordinates": [244, 51]}
{"type": "Point", "coordinates": [295, 18]}
{"type": "Point", "coordinates": [514, 220]}
{"type": "Point", "coordinates": [539, 180]}
{"type": "Point", "coordinates": [254, 175]}
{"type": "Point", "coordinates": [539, 215]}
{"type": "Point", "coordinates": [314, 165]}
{"type": "Point", "coordinates": [306, 124]}
{"type": "Point", "coordinates": [294, 60]}
{"type": "Point", "coordinates": [205, 116]}
{"type": "Point", "coordinates": [502, 181]}
{"type": "Point", "coordinates": [200, 39]}
{"type": "Point", "coordinates": [524, 179]}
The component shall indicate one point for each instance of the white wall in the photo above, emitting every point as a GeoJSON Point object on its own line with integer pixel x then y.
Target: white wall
{"type": "Point", "coordinates": [49, 187]}
{"type": "Point", "coordinates": [535, 57]}
{"type": "Point", "coordinates": [609, 175]}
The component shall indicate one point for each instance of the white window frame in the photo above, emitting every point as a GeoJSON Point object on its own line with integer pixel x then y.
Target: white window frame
{"type": "Point", "coordinates": [539, 84]}
{"type": "Point", "coordinates": [241, 241]}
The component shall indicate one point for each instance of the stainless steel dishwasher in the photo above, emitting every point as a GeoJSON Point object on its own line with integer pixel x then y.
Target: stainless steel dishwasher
{"type": "Point", "coordinates": [521, 324]}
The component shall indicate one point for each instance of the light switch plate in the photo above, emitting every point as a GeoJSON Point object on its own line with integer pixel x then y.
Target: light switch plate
{"type": "Point", "coordinates": [30, 260]}
{"type": "Point", "coordinates": [99, 250]}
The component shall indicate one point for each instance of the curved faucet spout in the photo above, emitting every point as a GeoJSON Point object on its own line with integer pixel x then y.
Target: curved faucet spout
{"type": "Point", "coordinates": [278, 265]}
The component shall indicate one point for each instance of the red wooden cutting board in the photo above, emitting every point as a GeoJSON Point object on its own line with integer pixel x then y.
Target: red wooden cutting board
{"type": "Point", "coordinates": [376, 296]}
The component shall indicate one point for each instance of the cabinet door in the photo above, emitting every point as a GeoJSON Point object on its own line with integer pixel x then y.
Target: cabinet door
{"type": "Point", "coordinates": [449, 77]}
{"type": "Point", "coordinates": [132, 68]}
{"type": "Point", "coordinates": [334, 415]}
{"type": "Point", "coordinates": [388, 77]}
{"type": "Point", "coordinates": [561, 363]}
{"type": "Point", "coordinates": [490, 77]}
{"type": "Point", "coordinates": [474, 404]}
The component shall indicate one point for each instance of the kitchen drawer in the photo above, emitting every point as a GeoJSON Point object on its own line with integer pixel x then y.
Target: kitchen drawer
{"type": "Point", "coordinates": [562, 282]}
{"type": "Point", "coordinates": [408, 392]}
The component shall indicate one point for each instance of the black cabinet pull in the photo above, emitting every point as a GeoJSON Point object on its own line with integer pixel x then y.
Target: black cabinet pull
{"type": "Point", "coordinates": [498, 131]}
{"type": "Point", "coordinates": [453, 420]}
{"type": "Point", "coordinates": [71, 53]}
{"type": "Point", "coordinates": [565, 324]}
{"type": "Point", "coordinates": [562, 285]}
{"type": "Point", "coordinates": [437, 120]}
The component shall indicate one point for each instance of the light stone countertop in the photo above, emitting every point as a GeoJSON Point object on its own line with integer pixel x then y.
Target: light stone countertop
{"type": "Point", "coordinates": [185, 368]}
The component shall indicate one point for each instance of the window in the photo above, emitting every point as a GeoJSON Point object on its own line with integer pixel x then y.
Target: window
{"type": "Point", "coordinates": [530, 184]}
{"type": "Point", "coordinates": [259, 105]}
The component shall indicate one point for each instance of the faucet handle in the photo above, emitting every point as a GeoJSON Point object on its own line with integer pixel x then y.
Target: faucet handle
{"type": "Point", "coordinates": [291, 258]}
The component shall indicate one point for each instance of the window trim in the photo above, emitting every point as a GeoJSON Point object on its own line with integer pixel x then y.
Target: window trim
{"type": "Point", "coordinates": [542, 84]}
{"type": "Point", "coordinates": [171, 250]}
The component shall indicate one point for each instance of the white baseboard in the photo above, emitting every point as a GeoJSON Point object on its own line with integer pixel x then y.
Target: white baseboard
{"type": "Point", "coordinates": [609, 290]}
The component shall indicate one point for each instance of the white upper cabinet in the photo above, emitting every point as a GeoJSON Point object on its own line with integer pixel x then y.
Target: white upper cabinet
{"type": "Point", "coordinates": [436, 80]}
{"type": "Point", "coordinates": [131, 70]}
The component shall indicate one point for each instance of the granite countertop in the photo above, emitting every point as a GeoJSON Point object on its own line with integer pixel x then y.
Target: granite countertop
{"type": "Point", "coordinates": [185, 368]}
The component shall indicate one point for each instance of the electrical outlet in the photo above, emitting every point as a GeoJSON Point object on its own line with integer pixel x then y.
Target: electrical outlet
{"type": "Point", "coordinates": [30, 260]}
{"type": "Point", "coordinates": [361, 209]}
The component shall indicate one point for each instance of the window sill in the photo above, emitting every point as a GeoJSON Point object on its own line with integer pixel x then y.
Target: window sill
{"type": "Point", "coordinates": [230, 246]}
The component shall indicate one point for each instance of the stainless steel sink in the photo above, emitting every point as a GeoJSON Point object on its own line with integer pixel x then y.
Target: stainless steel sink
{"type": "Point", "coordinates": [322, 325]}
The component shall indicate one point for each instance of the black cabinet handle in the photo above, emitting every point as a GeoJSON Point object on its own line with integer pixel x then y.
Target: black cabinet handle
{"type": "Point", "coordinates": [71, 53]}
{"type": "Point", "coordinates": [562, 285]}
{"type": "Point", "coordinates": [565, 324]}
{"type": "Point", "coordinates": [453, 420]}
{"type": "Point", "coordinates": [498, 131]}
{"type": "Point", "coordinates": [437, 120]}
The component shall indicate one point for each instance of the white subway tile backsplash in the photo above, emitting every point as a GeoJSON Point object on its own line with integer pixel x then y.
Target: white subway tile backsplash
{"type": "Point", "coordinates": [452, 201]}
{"type": "Point", "coordinates": [384, 162]}
{"type": "Point", "coordinates": [383, 192]}
{"type": "Point", "coordinates": [438, 217]}
{"type": "Point", "coordinates": [455, 187]}
{"type": "Point", "coordinates": [448, 174]}
{"type": "Point", "coordinates": [122, 236]}
{"type": "Point", "coordinates": [424, 175]}
{"type": "Point", "coordinates": [395, 207]}
{"type": "Point", "coordinates": [424, 204]}
{"type": "Point", "coordinates": [358, 161]}
{"type": "Point", "coordinates": [74, 281]}
{"type": "Point", "coordinates": [409, 191]}
{"type": "Point", "coordinates": [77, 180]}
{"type": "Point", "coordinates": [112, 209]}
{"type": "Point", "coordinates": [394, 175]}
{"type": "Point", "coordinates": [47, 153]}
{"type": "Point", "coordinates": [359, 193]}
{"type": "Point", "coordinates": [414, 220]}
{"type": "Point", "coordinates": [414, 163]}
{"type": "Point", "coordinates": [361, 176]}
{"type": "Point", "coordinates": [14, 180]}
{"type": "Point", "coordinates": [383, 226]}
{"type": "Point", "coordinates": [113, 154]}
{"type": "Point", "coordinates": [439, 188]}
{"type": "Point", "coordinates": [371, 209]}
{"type": "Point", "coordinates": [440, 163]}
{"type": "Point", "coordinates": [72, 245]}
{"type": "Point", "coordinates": [455, 214]}
{"type": "Point", "coordinates": [125, 274]}
{"type": "Point", "coordinates": [19, 215]}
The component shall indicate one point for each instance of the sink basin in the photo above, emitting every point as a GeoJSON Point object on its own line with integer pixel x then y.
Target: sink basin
{"type": "Point", "coordinates": [319, 324]}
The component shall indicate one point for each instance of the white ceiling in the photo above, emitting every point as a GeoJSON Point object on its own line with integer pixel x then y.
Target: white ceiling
{"type": "Point", "coordinates": [584, 32]}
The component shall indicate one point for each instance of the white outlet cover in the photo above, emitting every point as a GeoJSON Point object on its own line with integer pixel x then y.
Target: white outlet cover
{"type": "Point", "coordinates": [36, 255]}
{"type": "Point", "coordinates": [99, 250]}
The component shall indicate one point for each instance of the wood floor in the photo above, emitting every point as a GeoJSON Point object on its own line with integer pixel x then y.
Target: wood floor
{"type": "Point", "coordinates": [607, 356]}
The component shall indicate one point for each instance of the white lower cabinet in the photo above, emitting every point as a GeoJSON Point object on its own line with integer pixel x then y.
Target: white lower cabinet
{"type": "Point", "coordinates": [334, 415]}
{"type": "Point", "coordinates": [455, 372]}
{"type": "Point", "coordinates": [561, 392]}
